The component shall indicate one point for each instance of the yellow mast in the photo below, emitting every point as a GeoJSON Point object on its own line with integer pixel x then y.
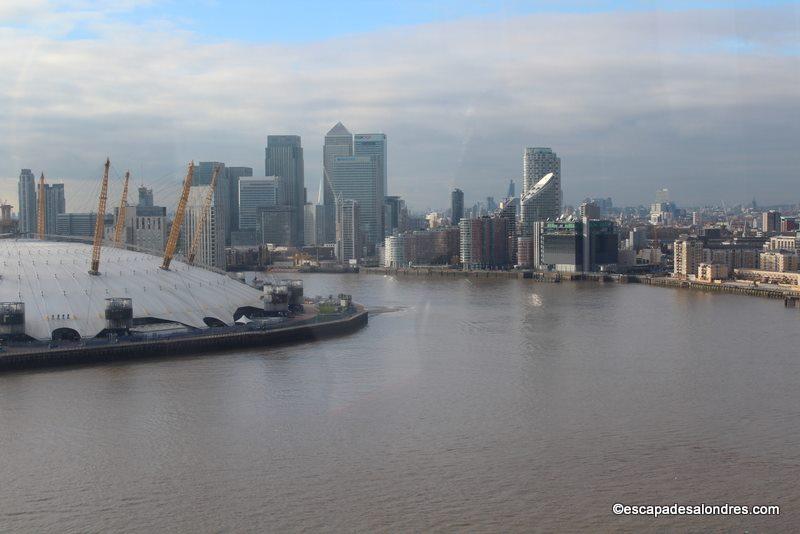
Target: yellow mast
{"type": "Point", "coordinates": [40, 209]}
{"type": "Point", "coordinates": [100, 222]}
{"type": "Point", "coordinates": [121, 212]}
{"type": "Point", "coordinates": [201, 219]}
{"type": "Point", "coordinates": [175, 231]}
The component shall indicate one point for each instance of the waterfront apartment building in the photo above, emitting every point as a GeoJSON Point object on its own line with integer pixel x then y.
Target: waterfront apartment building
{"type": "Point", "coordinates": [284, 158]}
{"type": "Point", "coordinates": [338, 143]}
{"type": "Point", "coordinates": [211, 247]}
{"type": "Point", "coordinates": [540, 203]}
{"type": "Point", "coordinates": [257, 192]}
{"type": "Point", "coordinates": [709, 272]}
{"type": "Point", "coordinates": [440, 246]}
{"type": "Point", "coordinates": [456, 206]}
{"type": "Point", "coordinates": [483, 243]}
{"type": "Point", "coordinates": [349, 240]}
{"type": "Point", "coordinates": [688, 254]}
{"type": "Point", "coordinates": [588, 245]}
{"type": "Point", "coordinates": [782, 262]}
{"type": "Point", "coordinates": [27, 201]}
{"type": "Point", "coordinates": [395, 251]}
{"type": "Point", "coordinates": [537, 163]}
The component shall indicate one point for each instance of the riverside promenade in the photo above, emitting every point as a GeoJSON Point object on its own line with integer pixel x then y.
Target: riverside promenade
{"type": "Point", "coordinates": [739, 288]}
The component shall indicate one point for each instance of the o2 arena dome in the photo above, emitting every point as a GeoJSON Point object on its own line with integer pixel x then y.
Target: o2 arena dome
{"type": "Point", "coordinates": [61, 299]}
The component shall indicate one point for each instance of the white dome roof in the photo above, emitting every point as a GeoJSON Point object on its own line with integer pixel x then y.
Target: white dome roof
{"type": "Point", "coordinates": [52, 279]}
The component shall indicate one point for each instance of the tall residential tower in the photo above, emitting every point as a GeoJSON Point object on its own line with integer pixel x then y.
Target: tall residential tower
{"type": "Point", "coordinates": [27, 202]}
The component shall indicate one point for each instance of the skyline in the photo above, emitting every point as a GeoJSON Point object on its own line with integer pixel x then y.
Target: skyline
{"type": "Point", "coordinates": [111, 82]}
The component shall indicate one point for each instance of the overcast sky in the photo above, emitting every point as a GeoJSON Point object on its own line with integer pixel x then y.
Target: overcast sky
{"type": "Point", "coordinates": [703, 99]}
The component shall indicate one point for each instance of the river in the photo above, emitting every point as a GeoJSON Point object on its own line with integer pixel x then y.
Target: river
{"type": "Point", "coordinates": [496, 405]}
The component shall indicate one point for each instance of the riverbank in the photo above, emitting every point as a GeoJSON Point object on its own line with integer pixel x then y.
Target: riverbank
{"type": "Point", "coordinates": [184, 345]}
{"type": "Point", "coordinates": [558, 277]}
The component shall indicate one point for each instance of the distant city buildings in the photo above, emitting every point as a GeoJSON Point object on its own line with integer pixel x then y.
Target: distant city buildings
{"type": "Point", "coordinates": [589, 210]}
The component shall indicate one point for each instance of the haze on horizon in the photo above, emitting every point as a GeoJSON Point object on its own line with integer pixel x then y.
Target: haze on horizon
{"type": "Point", "coordinates": [701, 98]}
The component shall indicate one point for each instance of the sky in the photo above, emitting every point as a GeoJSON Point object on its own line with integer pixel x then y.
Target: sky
{"type": "Point", "coordinates": [702, 98]}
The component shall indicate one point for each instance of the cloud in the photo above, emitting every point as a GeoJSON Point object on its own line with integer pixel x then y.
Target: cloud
{"type": "Point", "coordinates": [632, 101]}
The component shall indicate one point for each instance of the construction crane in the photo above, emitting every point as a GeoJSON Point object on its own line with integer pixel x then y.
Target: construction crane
{"type": "Point", "coordinates": [200, 222]}
{"type": "Point", "coordinates": [175, 231]}
{"type": "Point", "coordinates": [100, 222]}
{"type": "Point", "coordinates": [121, 212]}
{"type": "Point", "coordinates": [40, 209]}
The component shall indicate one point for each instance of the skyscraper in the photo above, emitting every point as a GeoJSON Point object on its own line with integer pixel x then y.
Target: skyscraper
{"type": "Point", "coordinates": [456, 206]}
{"type": "Point", "coordinates": [27, 201]}
{"type": "Point", "coordinates": [55, 204]}
{"type": "Point", "coordinates": [538, 162]}
{"type": "Point", "coordinates": [258, 192]}
{"type": "Point", "coordinates": [284, 158]}
{"type": "Point", "coordinates": [374, 145]}
{"type": "Point", "coordinates": [539, 203]}
{"type": "Point", "coordinates": [355, 178]}
{"type": "Point", "coordinates": [338, 142]}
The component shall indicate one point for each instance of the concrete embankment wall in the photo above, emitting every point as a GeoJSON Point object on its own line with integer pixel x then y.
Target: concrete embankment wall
{"type": "Point", "coordinates": [540, 276]}
{"type": "Point", "coordinates": [183, 345]}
